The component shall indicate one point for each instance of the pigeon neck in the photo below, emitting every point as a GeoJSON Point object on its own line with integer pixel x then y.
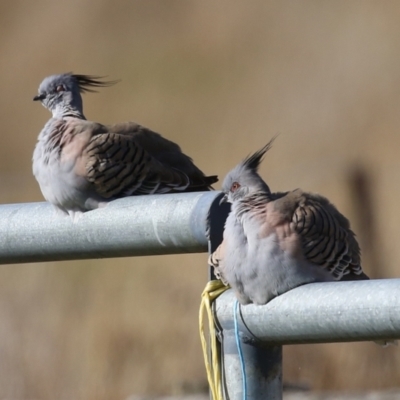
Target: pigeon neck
{"type": "Point", "coordinates": [258, 196]}
{"type": "Point", "coordinates": [251, 202]}
{"type": "Point", "coordinates": [68, 111]}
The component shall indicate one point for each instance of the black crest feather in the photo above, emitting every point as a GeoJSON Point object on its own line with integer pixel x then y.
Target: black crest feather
{"type": "Point", "coordinates": [88, 82]}
{"type": "Point", "coordinates": [253, 161]}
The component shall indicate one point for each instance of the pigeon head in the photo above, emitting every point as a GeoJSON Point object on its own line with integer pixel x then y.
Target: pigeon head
{"type": "Point", "coordinates": [61, 94]}
{"type": "Point", "coordinates": [244, 178]}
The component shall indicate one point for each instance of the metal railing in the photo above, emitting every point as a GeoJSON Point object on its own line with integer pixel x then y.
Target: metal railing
{"type": "Point", "coordinates": [313, 313]}
{"type": "Point", "coordinates": [190, 223]}
{"type": "Point", "coordinates": [133, 226]}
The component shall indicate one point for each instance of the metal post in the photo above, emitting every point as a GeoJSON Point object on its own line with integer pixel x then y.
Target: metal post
{"type": "Point", "coordinates": [263, 366]}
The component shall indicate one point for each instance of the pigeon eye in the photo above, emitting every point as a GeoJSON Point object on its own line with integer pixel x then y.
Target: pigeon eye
{"type": "Point", "coordinates": [60, 88]}
{"type": "Point", "coordinates": [235, 186]}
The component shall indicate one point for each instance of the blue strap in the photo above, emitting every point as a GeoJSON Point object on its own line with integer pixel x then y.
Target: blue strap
{"type": "Point", "coordinates": [239, 347]}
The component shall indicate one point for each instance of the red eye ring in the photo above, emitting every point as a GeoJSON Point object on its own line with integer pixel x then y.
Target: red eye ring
{"type": "Point", "coordinates": [235, 186]}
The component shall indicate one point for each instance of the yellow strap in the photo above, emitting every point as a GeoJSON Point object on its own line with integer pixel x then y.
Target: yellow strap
{"type": "Point", "coordinates": [212, 290]}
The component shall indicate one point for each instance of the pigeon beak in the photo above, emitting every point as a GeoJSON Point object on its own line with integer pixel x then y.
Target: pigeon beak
{"type": "Point", "coordinates": [39, 97]}
{"type": "Point", "coordinates": [224, 199]}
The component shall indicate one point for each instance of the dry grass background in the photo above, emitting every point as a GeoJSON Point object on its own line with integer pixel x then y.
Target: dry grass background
{"type": "Point", "coordinates": [220, 78]}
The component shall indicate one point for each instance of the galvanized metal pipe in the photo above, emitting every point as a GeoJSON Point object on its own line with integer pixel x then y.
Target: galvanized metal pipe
{"type": "Point", "coordinates": [263, 365]}
{"type": "Point", "coordinates": [321, 313]}
{"type": "Point", "coordinates": [314, 313]}
{"type": "Point", "coordinates": [133, 226]}
{"type": "Point", "coordinates": [188, 223]}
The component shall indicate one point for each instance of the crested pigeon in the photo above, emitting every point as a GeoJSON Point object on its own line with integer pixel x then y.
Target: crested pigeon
{"type": "Point", "coordinates": [81, 165]}
{"type": "Point", "coordinates": [274, 242]}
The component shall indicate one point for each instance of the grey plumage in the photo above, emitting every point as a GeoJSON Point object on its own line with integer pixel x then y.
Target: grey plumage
{"type": "Point", "coordinates": [82, 165]}
{"type": "Point", "coordinates": [274, 242]}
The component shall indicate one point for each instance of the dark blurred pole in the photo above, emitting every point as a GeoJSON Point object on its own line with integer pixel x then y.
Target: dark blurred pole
{"type": "Point", "coordinates": [362, 197]}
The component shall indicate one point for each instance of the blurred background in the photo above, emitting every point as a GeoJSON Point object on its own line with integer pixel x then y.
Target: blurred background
{"type": "Point", "coordinates": [220, 78]}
